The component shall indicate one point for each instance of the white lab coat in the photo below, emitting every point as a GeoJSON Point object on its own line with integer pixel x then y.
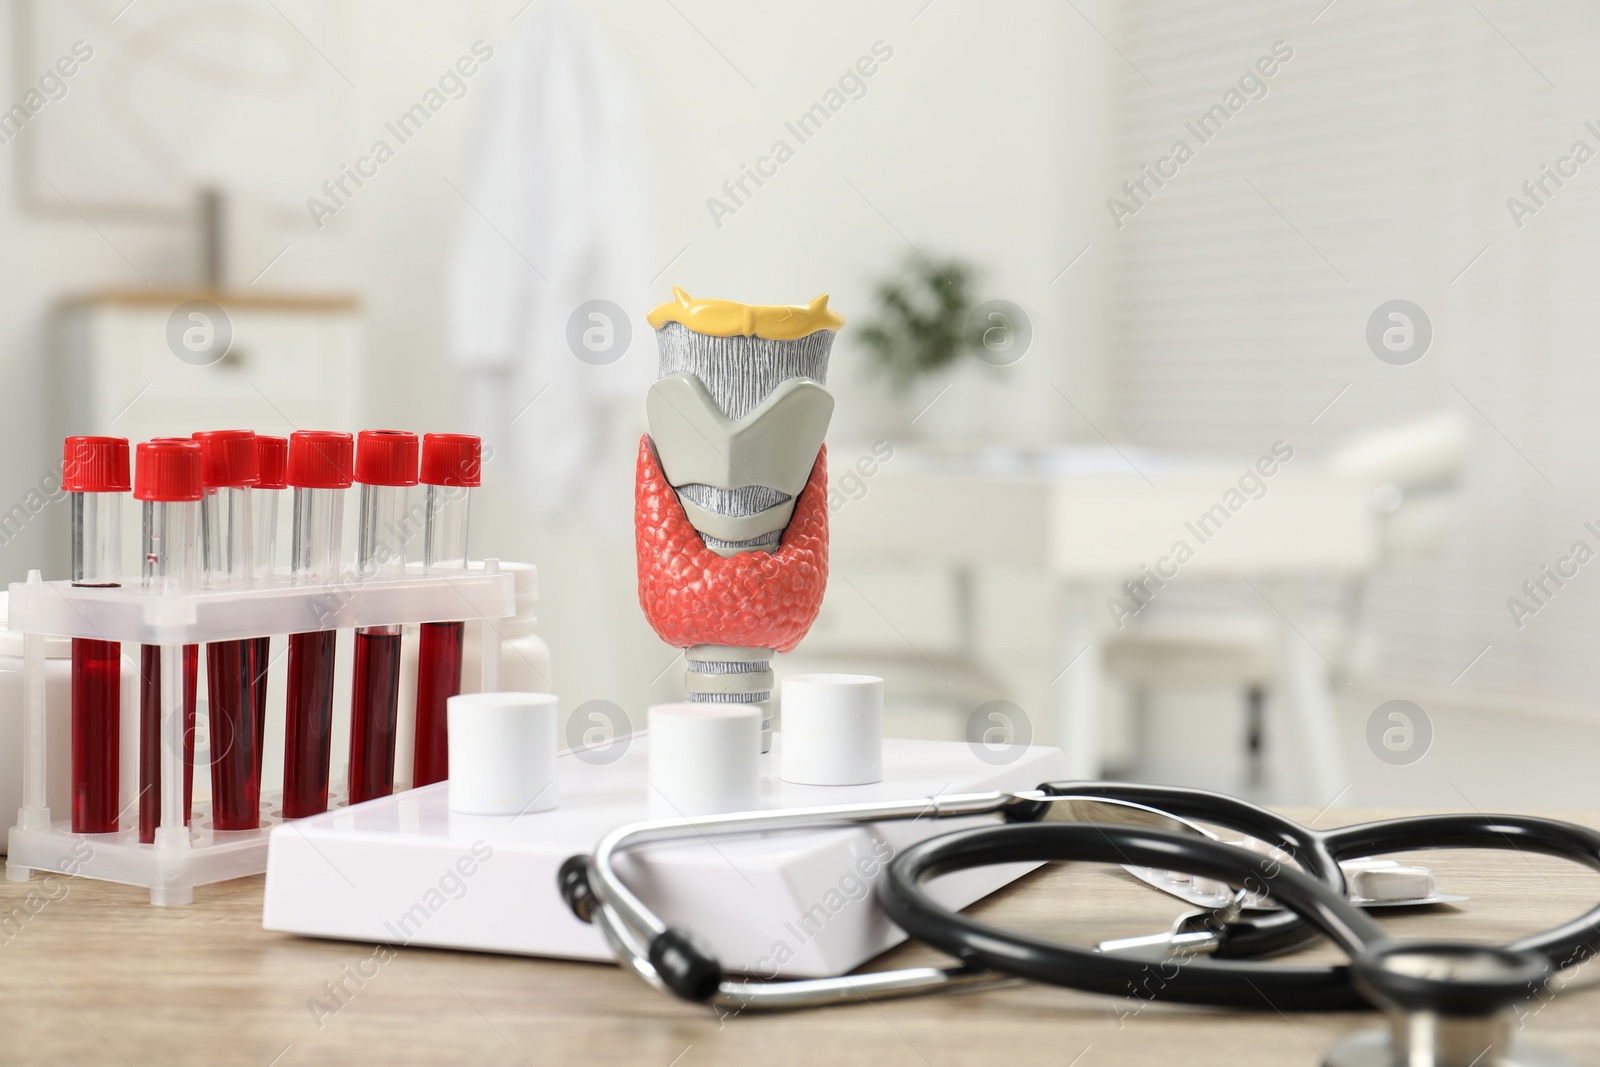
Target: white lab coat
{"type": "Point", "coordinates": [553, 217]}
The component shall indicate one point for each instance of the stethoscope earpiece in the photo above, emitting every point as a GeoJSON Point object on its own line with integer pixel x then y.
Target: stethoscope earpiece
{"type": "Point", "coordinates": [1448, 1003]}
{"type": "Point", "coordinates": [686, 964]}
{"type": "Point", "coordinates": [572, 880]}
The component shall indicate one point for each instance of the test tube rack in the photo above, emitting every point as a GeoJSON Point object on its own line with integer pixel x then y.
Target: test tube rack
{"type": "Point", "coordinates": [183, 857]}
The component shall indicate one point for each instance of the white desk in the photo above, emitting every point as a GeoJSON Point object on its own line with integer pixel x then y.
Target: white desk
{"type": "Point", "coordinates": [1092, 519]}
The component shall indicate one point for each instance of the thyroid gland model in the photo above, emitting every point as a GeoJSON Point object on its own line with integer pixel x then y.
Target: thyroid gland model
{"type": "Point", "coordinates": [731, 496]}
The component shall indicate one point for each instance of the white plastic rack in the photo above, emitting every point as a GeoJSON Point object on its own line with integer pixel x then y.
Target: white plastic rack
{"type": "Point", "coordinates": [183, 857]}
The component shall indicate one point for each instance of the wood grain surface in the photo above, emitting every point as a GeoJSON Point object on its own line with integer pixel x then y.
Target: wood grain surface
{"type": "Point", "coordinates": [95, 975]}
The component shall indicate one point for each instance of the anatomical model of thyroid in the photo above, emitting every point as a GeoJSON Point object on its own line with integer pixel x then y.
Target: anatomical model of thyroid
{"type": "Point", "coordinates": [731, 497]}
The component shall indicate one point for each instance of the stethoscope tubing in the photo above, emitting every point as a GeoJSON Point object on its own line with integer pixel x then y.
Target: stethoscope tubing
{"type": "Point", "coordinates": [1566, 945]}
{"type": "Point", "coordinates": [642, 941]}
{"type": "Point", "coordinates": [634, 932]}
{"type": "Point", "coordinates": [1307, 846]}
{"type": "Point", "coordinates": [1246, 937]}
{"type": "Point", "coordinates": [1321, 852]}
{"type": "Point", "coordinates": [1193, 980]}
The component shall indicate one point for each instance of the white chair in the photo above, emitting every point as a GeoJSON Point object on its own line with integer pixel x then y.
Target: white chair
{"type": "Point", "coordinates": [1413, 473]}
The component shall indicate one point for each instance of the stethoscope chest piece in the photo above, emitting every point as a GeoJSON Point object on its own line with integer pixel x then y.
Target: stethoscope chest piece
{"type": "Point", "coordinates": [1376, 1048]}
{"type": "Point", "coordinates": [1448, 1004]}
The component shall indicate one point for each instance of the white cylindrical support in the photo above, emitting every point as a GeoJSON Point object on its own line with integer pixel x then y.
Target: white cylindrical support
{"type": "Point", "coordinates": [1081, 683]}
{"type": "Point", "coordinates": [489, 638]}
{"type": "Point", "coordinates": [832, 729]}
{"type": "Point", "coordinates": [171, 833]}
{"type": "Point", "coordinates": [503, 752]}
{"type": "Point", "coordinates": [1308, 689]}
{"type": "Point", "coordinates": [35, 814]}
{"type": "Point", "coordinates": [704, 759]}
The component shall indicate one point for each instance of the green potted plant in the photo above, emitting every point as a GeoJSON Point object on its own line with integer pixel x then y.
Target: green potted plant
{"type": "Point", "coordinates": [920, 321]}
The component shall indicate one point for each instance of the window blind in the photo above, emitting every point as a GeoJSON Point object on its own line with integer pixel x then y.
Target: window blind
{"type": "Point", "coordinates": [1378, 162]}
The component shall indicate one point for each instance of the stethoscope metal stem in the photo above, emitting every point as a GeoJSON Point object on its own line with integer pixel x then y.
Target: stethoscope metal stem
{"type": "Point", "coordinates": [1424, 1039]}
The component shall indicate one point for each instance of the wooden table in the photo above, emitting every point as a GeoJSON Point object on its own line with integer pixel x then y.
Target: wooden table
{"type": "Point", "coordinates": [97, 975]}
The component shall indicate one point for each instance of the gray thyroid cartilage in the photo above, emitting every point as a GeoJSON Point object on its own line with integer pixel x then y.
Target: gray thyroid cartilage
{"type": "Point", "coordinates": [737, 478]}
{"type": "Point", "coordinates": [737, 423]}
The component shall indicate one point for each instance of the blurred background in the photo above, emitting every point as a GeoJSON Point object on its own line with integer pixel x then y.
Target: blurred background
{"type": "Point", "coordinates": [1303, 288]}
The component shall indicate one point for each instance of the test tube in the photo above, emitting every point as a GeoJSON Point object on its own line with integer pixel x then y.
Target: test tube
{"type": "Point", "coordinates": [451, 465]}
{"type": "Point", "coordinates": [386, 465]}
{"type": "Point", "coordinates": [319, 470]}
{"type": "Point", "coordinates": [95, 475]}
{"type": "Point", "coordinates": [168, 483]}
{"type": "Point", "coordinates": [228, 469]}
{"type": "Point", "coordinates": [272, 477]}
{"type": "Point", "coordinates": [272, 469]}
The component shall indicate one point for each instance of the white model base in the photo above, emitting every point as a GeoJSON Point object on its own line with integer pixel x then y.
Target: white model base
{"type": "Point", "coordinates": [405, 869]}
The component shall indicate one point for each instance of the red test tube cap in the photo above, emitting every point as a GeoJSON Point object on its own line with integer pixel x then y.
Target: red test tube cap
{"type": "Point", "coordinates": [386, 457]}
{"type": "Point", "coordinates": [228, 459]}
{"type": "Point", "coordinates": [272, 462]}
{"type": "Point", "coordinates": [320, 459]}
{"type": "Point", "coordinates": [454, 459]}
{"type": "Point", "coordinates": [168, 470]}
{"type": "Point", "coordinates": [95, 465]}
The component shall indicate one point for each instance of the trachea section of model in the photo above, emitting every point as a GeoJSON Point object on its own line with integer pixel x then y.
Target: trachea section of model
{"type": "Point", "coordinates": [168, 485]}
{"type": "Point", "coordinates": [95, 475]}
{"type": "Point", "coordinates": [229, 470]}
{"type": "Point", "coordinates": [272, 467]}
{"type": "Point", "coordinates": [320, 471]}
{"type": "Point", "coordinates": [451, 469]}
{"type": "Point", "coordinates": [730, 499]}
{"type": "Point", "coordinates": [386, 467]}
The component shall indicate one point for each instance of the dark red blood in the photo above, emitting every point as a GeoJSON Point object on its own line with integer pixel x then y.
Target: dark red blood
{"type": "Point", "coordinates": [692, 596]}
{"type": "Point", "coordinates": [438, 679]}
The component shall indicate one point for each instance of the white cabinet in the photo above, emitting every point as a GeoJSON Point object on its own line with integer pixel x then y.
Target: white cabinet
{"type": "Point", "coordinates": [295, 362]}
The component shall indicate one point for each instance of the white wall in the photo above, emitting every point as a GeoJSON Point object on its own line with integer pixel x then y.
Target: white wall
{"type": "Point", "coordinates": [975, 140]}
{"type": "Point", "coordinates": [1382, 164]}
{"type": "Point", "coordinates": [969, 142]}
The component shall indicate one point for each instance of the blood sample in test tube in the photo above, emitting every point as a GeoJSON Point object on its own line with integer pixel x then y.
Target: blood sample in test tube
{"type": "Point", "coordinates": [167, 482]}
{"type": "Point", "coordinates": [319, 470]}
{"type": "Point", "coordinates": [95, 475]}
{"type": "Point", "coordinates": [451, 465]}
{"type": "Point", "coordinates": [272, 468]}
{"type": "Point", "coordinates": [228, 470]}
{"type": "Point", "coordinates": [386, 467]}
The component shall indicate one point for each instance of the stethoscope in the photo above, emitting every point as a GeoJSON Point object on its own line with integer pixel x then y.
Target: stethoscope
{"type": "Point", "coordinates": [1445, 1000]}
